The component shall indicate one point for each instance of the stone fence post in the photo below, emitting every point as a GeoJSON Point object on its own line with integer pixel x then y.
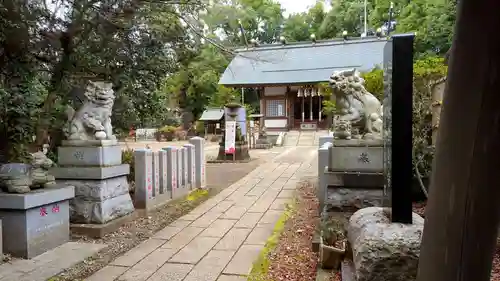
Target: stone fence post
{"type": "Point", "coordinates": [191, 165]}
{"type": "Point", "coordinates": [199, 144]}
{"type": "Point", "coordinates": [143, 178]}
{"type": "Point", "coordinates": [324, 139]}
{"type": "Point", "coordinates": [156, 177]}
{"type": "Point", "coordinates": [323, 156]}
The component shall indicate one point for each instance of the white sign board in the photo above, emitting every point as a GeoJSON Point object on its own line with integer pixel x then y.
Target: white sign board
{"type": "Point", "coordinates": [230, 137]}
{"type": "Point", "coordinates": [252, 124]}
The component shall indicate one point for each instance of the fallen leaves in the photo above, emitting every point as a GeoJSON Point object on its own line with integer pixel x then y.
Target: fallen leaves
{"type": "Point", "coordinates": [293, 258]}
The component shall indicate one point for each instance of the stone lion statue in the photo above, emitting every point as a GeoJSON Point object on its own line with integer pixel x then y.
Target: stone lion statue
{"type": "Point", "coordinates": [343, 130]}
{"type": "Point", "coordinates": [93, 120]}
{"type": "Point", "coordinates": [20, 178]}
{"type": "Point", "coordinates": [355, 104]}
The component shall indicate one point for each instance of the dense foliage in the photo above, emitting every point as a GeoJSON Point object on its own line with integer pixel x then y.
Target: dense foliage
{"type": "Point", "coordinates": [162, 55]}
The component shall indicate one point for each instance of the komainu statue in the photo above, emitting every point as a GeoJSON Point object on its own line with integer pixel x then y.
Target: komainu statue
{"type": "Point", "coordinates": [93, 120]}
{"type": "Point", "coordinates": [356, 106]}
{"type": "Point", "coordinates": [21, 178]}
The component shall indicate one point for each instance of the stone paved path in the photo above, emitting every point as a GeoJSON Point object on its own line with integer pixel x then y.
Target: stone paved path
{"type": "Point", "coordinates": [220, 239]}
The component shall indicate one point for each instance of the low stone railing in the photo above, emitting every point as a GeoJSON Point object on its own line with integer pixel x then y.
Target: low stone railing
{"type": "Point", "coordinates": [170, 173]}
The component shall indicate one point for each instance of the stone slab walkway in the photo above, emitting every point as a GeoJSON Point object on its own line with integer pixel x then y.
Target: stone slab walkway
{"type": "Point", "coordinates": [220, 239]}
{"type": "Point", "coordinates": [49, 263]}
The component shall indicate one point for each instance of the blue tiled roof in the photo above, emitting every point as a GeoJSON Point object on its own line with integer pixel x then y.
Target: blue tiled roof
{"type": "Point", "coordinates": [302, 63]}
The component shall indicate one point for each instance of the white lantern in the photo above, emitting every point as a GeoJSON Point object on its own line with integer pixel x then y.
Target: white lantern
{"type": "Point", "coordinates": [300, 93]}
{"type": "Point", "coordinates": [313, 92]}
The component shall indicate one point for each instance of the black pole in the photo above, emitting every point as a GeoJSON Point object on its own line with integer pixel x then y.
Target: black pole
{"type": "Point", "coordinates": [401, 128]}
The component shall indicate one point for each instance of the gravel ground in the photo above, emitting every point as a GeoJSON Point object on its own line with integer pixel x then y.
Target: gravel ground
{"type": "Point", "coordinates": [293, 258]}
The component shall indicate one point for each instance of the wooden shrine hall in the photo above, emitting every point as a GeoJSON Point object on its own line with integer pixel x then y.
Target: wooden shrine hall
{"type": "Point", "coordinates": [287, 75]}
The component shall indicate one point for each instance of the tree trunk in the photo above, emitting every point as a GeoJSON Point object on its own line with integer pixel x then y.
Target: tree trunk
{"type": "Point", "coordinates": [56, 82]}
{"type": "Point", "coordinates": [463, 212]}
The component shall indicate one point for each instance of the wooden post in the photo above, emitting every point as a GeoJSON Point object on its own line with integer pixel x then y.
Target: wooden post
{"type": "Point", "coordinates": [463, 212]}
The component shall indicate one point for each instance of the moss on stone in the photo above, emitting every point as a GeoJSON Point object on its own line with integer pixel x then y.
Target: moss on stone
{"type": "Point", "coordinates": [261, 265]}
{"type": "Point", "coordinates": [196, 194]}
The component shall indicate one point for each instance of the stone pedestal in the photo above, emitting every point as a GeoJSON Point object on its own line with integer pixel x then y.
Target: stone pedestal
{"type": "Point", "coordinates": [99, 178]}
{"type": "Point", "coordinates": [354, 176]}
{"type": "Point", "coordinates": [35, 222]}
{"type": "Point", "coordinates": [263, 142]}
{"type": "Point", "coordinates": [241, 152]}
{"type": "Point", "coordinates": [356, 156]}
{"type": "Point", "coordinates": [384, 251]}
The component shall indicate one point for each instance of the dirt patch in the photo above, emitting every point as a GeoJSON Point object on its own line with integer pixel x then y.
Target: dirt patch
{"type": "Point", "coordinates": [133, 233]}
{"type": "Point", "coordinates": [293, 258]}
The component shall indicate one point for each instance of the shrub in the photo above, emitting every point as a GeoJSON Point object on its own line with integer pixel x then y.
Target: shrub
{"type": "Point", "coordinates": [200, 128]}
{"type": "Point", "coordinates": [167, 129]}
{"type": "Point", "coordinates": [374, 82]}
{"type": "Point", "coordinates": [128, 158]}
{"type": "Point", "coordinates": [426, 72]}
{"type": "Point", "coordinates": [180, 134]}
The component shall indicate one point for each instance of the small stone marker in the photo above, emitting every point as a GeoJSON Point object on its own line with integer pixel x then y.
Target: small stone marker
{"type": "Point", "coordinates": [323, 156]}
{"type": "Point", "coordinates": [185, 168]}
{"type": "Point", "coordinates": [172, 170]}
{"type": "Point", "coordinates": [180, 172]}
{"type": "Point", "coordinates": [199, 144]}
{"type": "Point", "coordinates": [156, 174]}
{"type": "Point", "coordinates": [143, 177]}
{"type": "Point", "coordinates": [163, 158]}
{"type": "Point", "coordinates": [191, 162]}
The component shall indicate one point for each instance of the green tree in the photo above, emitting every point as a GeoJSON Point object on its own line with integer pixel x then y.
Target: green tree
{"type": "Point", "coordinates": [299, 27]}
{"type": "Point", "coordinates": [260, 19]}
{"type": "Point", "coordinates": [433, 21]}
{"type": "Point", "coordinates": [344, 16]}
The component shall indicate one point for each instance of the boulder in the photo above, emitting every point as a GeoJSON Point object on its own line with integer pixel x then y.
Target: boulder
{"type": "Point", "coordinates": [382, 250]}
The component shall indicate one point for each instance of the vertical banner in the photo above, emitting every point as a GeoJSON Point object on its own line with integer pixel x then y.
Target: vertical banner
{"type": "Point", "coordinates": [230, 144]}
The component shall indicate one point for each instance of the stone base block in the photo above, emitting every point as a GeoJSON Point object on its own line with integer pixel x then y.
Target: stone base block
{"type": "Point", "coordinates": [356, 156]}
{"type": "Point", "coordinates": [352, 199]}
{"type": "Point", "coordinates": [90, 155]}
{"type": "Point", "coordinates": [180, 192]}
{"type": "Point", "coordinates": [384, 251]}
{"type": "Point", "coordinates": [100, 201]}
{"type": "Point", "coordinates": [90, 173]}
{"type": "Point", "coordinates": [343, 191]}
{"type": "Point", "coordinates": [101, 230]}
{"type": "Point", "coordinates": [89, 142]}
{"type": "Point", "coordinates": [241, 151]}
{"type": "Point", "coordinates": [99, 190]}
{"type": "Point", "coordinates": [100, 212]}
{"type": "Point", "coordinates": [35, 222]}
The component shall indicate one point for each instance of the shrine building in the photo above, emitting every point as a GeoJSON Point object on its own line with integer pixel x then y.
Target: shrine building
{"type": "Point", "coordinates": [286, 76]}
